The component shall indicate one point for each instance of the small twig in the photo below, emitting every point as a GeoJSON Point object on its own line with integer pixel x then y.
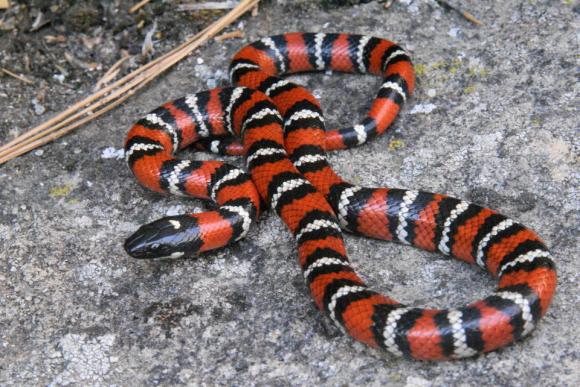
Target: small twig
{"type": "Point", "coordinates": [19, 77]}
{"type": "Point", "coordinates": [227, 4]}
{"type": "Point", "coordinates": [255, 11]}
{"type": "Point", "coordinates": [54, 39]}
{"type": "Point", "coordinates": [111, 73]}
{"type": "Point", "coordinates": [73, 60]}
{"type": "Point", "coordinates": [470, 17]}
{"type": "Point", "coordinates": [464, 14]}
{"type": "Point", "coordinates": [138, 6]}
{"type": "Point", "coordinates": [230, 35]}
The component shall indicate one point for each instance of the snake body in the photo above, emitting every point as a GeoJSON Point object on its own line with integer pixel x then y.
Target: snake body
{"type": "Point", "coordinates": [283, 139]}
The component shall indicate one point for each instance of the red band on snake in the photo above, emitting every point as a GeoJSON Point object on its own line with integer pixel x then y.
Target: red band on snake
{"type": "Point", "coordinates": [284, 141]}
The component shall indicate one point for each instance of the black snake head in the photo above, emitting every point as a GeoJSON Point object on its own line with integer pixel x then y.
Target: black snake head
{"type": "Point", "coordinates": [170, 237]}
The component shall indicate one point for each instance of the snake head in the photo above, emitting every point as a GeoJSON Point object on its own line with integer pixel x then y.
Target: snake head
{"type": "Point", "coordinates": [170, 237]}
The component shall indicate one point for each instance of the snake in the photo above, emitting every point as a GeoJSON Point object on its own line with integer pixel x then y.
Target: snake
{"type": "Point", "coordinates": [279, 128]}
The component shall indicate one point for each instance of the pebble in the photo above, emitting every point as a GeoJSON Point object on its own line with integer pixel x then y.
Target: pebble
{"type": "Point", "coordinates": [423, 108]}
{"type": "Point", "coordinates": [454, 32]}
{"type": "Point", "coordinates": [39, 109]}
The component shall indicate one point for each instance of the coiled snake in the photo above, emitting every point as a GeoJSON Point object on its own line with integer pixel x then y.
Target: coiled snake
{"type": "Point", "coordinates": [283, 139]}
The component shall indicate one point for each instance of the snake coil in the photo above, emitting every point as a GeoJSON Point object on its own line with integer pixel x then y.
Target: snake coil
{"type": "Point", "coordinates": [283, 139]}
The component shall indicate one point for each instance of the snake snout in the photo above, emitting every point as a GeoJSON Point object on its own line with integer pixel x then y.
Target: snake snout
{"type": "Point", "coordinates": [170, 237]}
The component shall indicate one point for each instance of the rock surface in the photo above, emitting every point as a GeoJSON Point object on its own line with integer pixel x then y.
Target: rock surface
{"type": "Point", "coordinates": [494, 120]}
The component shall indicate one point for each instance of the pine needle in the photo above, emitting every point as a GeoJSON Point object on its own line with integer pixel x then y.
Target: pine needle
{"type": "Point", "coordinates": [116, 93]}
{"type": "Point", "coordinates": [111, 73]}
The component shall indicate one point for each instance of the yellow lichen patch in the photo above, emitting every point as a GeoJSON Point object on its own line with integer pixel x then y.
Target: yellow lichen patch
{"type": "Point", "coordinates": [396, 144]}
{"type": "Point", "coordinates": [439, 64]}
{"type": "Point", "coordinates": [420, 69]}
{"type": "Point", "coordinates": [457, 62]}
{"type": "Point", "coordinates": [57, 192]}
{"type": "Point", "coordinates": [478, 72]}
{"type": "Point", "coordinates": [469, 89]}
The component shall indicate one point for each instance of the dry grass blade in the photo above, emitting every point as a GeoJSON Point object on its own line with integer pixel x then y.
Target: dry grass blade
{"type": "Point", "coordinates": [230, 35]}
{"type": "Point", "coordinates": [54, 38]}
{"type": "Point", "coordinates": [470, 17]}
{"type": "Point", "coordinates": [138, 6]}
{"type": "Point", "coordinates": [448, 7]}
{"type": "Point", "coordinates": [114, 94]}
{"type": "Point", "coordinates": [228, 4]}
{"type": "Point", "coordinates": [16, 76]}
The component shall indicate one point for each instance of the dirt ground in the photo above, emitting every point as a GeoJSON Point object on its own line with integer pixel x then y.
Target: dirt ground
{"type": "Point", "coordinates": [494, 121]}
